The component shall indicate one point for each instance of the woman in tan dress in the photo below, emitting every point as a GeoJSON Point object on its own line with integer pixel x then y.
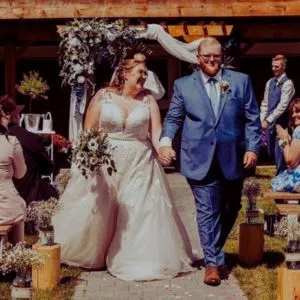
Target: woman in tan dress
{"type": "Point", "coordinates": [12, 164]}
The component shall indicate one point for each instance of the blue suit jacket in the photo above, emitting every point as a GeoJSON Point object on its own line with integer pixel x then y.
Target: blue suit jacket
{"type": "Point", "coordinates": [237, 128]}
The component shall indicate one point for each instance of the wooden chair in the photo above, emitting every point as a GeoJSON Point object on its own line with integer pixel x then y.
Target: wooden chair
{"type": "Point", "coordinates": [287, 203]}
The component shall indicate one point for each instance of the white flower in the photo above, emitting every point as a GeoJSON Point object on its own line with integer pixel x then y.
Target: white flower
{"type": "Point", "coordinates": [93, 145]}
{"type": "Point", "coordinates": [97, 41]}
{"type": "Point", "coordinates": [87, 28]}
{"type": "Point", "coordinates": [93, 160]}
{"type": "Point", "coordinates": [74, 57]}
{"type": "Point", "coordinates": [224, 86]}
{"type": "Point", "coordinates": [77, 68]}
{"type": "Point", "coordinates": [80, 79]}
{"type": "Point", "coordinates": [75, 42]}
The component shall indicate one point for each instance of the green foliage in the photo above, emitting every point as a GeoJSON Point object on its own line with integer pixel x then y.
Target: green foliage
{"type": "Point", "coordinates": [33, 86]}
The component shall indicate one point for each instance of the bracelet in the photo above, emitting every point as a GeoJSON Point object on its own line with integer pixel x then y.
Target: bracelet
{"type": "Point", "coordinates": [283, 143]}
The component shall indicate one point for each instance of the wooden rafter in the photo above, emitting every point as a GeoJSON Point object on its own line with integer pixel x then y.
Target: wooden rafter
{"type": "Point", "coordinates": [43, 9]}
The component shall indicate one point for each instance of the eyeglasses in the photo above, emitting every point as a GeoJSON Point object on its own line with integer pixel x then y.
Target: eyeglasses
{"type": "Point", "coordinates": [207, 57]}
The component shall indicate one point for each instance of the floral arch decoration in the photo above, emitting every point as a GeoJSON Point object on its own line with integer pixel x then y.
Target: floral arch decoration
{"type": "Point", "coordinates": [86, 43]}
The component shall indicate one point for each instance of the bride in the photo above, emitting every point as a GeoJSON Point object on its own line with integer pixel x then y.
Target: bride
{"type": "Point", "coordinates": [126, 221]}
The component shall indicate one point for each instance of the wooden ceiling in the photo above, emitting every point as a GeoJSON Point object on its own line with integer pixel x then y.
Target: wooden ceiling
{"type": "Point", "coordinates": [63, 9]}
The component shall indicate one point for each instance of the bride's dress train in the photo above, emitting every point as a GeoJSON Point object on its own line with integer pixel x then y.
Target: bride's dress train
{"type": "Point", "coordinates": [126, 221]}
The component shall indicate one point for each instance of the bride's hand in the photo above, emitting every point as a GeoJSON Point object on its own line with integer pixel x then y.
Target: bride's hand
{"type": "Point", "coordinates": [165, 155]}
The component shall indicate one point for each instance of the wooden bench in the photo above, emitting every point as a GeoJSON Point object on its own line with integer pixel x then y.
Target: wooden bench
{"type": "Point", "coordinates": [4, 231]}
{"type": "Point", "coordinates": [287, 203]}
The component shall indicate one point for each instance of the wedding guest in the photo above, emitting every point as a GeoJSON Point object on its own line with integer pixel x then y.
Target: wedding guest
{"type": "Point", "coordinates": [289, 180]}
{"type": "Point", "coordinates": [274, 108]}
{"type": "Point", "coordinates": [12, 164]}
{"type": "Point", "coordinates": [32, 187]}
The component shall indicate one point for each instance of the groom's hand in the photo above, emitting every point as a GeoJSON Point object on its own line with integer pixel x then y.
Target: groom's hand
{"type": "Point", "coordinates": [166, 154]}
{"type": "Point", "coordinates": [250, 159]}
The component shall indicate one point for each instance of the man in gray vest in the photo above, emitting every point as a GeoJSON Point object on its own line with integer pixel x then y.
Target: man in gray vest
{"type": "Point", "coordinates": [278, 93]}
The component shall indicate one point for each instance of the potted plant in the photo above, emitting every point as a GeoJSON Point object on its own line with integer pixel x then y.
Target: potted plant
{"type": "Point", "coordinates": [20, 259]}
{"type": "Point", "coordinates": [34, 87]}
{"type": "Point", "coordinates": [289, 227]}
{"type": "Point", "coordinates": [251, 191]}
{"type": "Point", "coordinates": [42, 213]}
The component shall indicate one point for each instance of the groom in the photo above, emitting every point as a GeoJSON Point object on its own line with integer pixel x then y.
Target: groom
{"type": "Point", "coordinates": [220, 138]}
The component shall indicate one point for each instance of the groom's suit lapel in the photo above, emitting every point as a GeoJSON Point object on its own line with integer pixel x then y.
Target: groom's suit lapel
{"type": "Point", "coordinates": [224, 96]}
{"type": "Point", "coordinates": [198, 82]}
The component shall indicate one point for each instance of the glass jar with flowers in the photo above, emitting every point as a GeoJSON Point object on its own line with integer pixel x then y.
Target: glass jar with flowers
{"type": "Point", "coordinates": [42, 213]}
{"type": "Point", "coordinates": [289, 228]}
{"type": "Point", "coordinates": [251, 190]}
{"type": "Point", "coordinates": [20, 259]}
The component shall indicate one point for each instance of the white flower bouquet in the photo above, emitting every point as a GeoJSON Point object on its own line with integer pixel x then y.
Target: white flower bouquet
{"type": "Point", "coordinates": [92, 152]}
{"type": "Point", "coordinates": [19, 258]}
{"type": "Point", "coordinates": [42, 212]}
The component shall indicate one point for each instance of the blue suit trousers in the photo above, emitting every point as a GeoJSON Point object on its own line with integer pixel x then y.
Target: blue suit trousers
{"type": "Point", "coordinates": [218, 201]}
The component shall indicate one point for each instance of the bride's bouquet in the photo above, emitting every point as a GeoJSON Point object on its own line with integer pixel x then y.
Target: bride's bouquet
{"type": "Point", "coordinates": [92, 152]}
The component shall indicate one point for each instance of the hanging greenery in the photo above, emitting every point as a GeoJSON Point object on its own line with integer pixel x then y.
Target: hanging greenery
{"type": "Point", "coordinates": [86, 42]}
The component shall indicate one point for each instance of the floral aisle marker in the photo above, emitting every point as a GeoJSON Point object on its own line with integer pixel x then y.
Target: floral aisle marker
{"type": "Point", "coordinates": [21, 259]}
{"type": "Point", "coordinates": [85, 43]}
{"type": "Point", "coordinates": [42, 213]}
{"type": "Point", "coordinates": [93, 151]}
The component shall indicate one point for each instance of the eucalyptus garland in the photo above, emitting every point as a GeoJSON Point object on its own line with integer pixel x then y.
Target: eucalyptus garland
{"type": "Point", "coordinates": [86, 42]}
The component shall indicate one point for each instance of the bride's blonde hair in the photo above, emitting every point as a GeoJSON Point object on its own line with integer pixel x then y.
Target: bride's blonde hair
{"type": "Point", "coordinates": [118, 79]}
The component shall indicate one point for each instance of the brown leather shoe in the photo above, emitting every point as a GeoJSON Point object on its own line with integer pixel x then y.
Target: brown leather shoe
{"type": "Point", "coordinates": [212, 276]}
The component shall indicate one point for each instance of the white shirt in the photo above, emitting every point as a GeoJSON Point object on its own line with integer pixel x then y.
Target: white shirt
{"type": "Point", "coordinates": [167, 141]}
{"type": "Point", "coordinates": [287, 93]}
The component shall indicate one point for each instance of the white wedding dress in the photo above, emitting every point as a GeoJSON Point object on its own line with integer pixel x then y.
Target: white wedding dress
{"type": "Point", "coordinates": [126, 221]}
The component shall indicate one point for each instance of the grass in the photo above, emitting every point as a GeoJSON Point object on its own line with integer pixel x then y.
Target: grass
{"type": "Point", "coordinates": [69, 278]}
{"type": "Point", "coordinates": [260, 282]}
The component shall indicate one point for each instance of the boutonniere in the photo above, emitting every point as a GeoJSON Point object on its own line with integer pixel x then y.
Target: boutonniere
{"type": "Point", "coordinates": [224, 87]}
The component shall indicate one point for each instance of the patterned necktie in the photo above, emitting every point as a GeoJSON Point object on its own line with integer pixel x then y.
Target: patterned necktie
{"type": "Point", "coordinates": [215, 102]}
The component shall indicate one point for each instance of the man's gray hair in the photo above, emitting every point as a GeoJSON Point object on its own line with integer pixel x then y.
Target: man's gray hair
{"type": "Point", "coordinates": [209, 40]}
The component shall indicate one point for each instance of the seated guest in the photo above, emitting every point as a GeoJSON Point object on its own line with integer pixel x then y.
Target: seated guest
{"type": "Point", "coordinates": [12, 164]}
{"type": "Point", "coordinates": [32, 187]}
{"type": "Point", "coordinates": [289, 180]}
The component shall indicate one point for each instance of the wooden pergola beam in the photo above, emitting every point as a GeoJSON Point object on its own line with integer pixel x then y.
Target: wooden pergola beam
{"type": "Point", "coordinates": [62, 9]}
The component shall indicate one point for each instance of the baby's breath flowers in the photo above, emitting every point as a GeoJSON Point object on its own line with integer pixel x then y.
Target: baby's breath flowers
{"type": "Point", "coordinates": [19, 258]}
{"type": "Point", "coordinates": [43, 211]}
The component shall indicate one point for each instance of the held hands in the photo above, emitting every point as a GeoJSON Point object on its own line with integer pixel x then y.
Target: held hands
{"type": "Point", "coordinates": [165, 155]}
{"type": "Point", "coordinates": [250, 159]}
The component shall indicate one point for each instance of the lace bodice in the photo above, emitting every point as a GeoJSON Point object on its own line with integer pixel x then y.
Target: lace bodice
{"type": "Point", "coordinates": [124, 116]}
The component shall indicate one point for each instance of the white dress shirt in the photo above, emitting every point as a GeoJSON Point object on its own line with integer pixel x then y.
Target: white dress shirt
{"type": "Point", "coordinates": [167, 141]}
{"type": "Point", "coordinates": [287, 93]}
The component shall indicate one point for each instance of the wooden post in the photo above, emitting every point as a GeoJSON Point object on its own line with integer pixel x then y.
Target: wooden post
{"type": "Point", "coordinates": [48, 276]}
{"type": "Point", "coordinates": [288, 284]}
{"type": "Point", "coordinates": [251, 244]}
{"type": "Point", "coordinates": [9, 56]}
